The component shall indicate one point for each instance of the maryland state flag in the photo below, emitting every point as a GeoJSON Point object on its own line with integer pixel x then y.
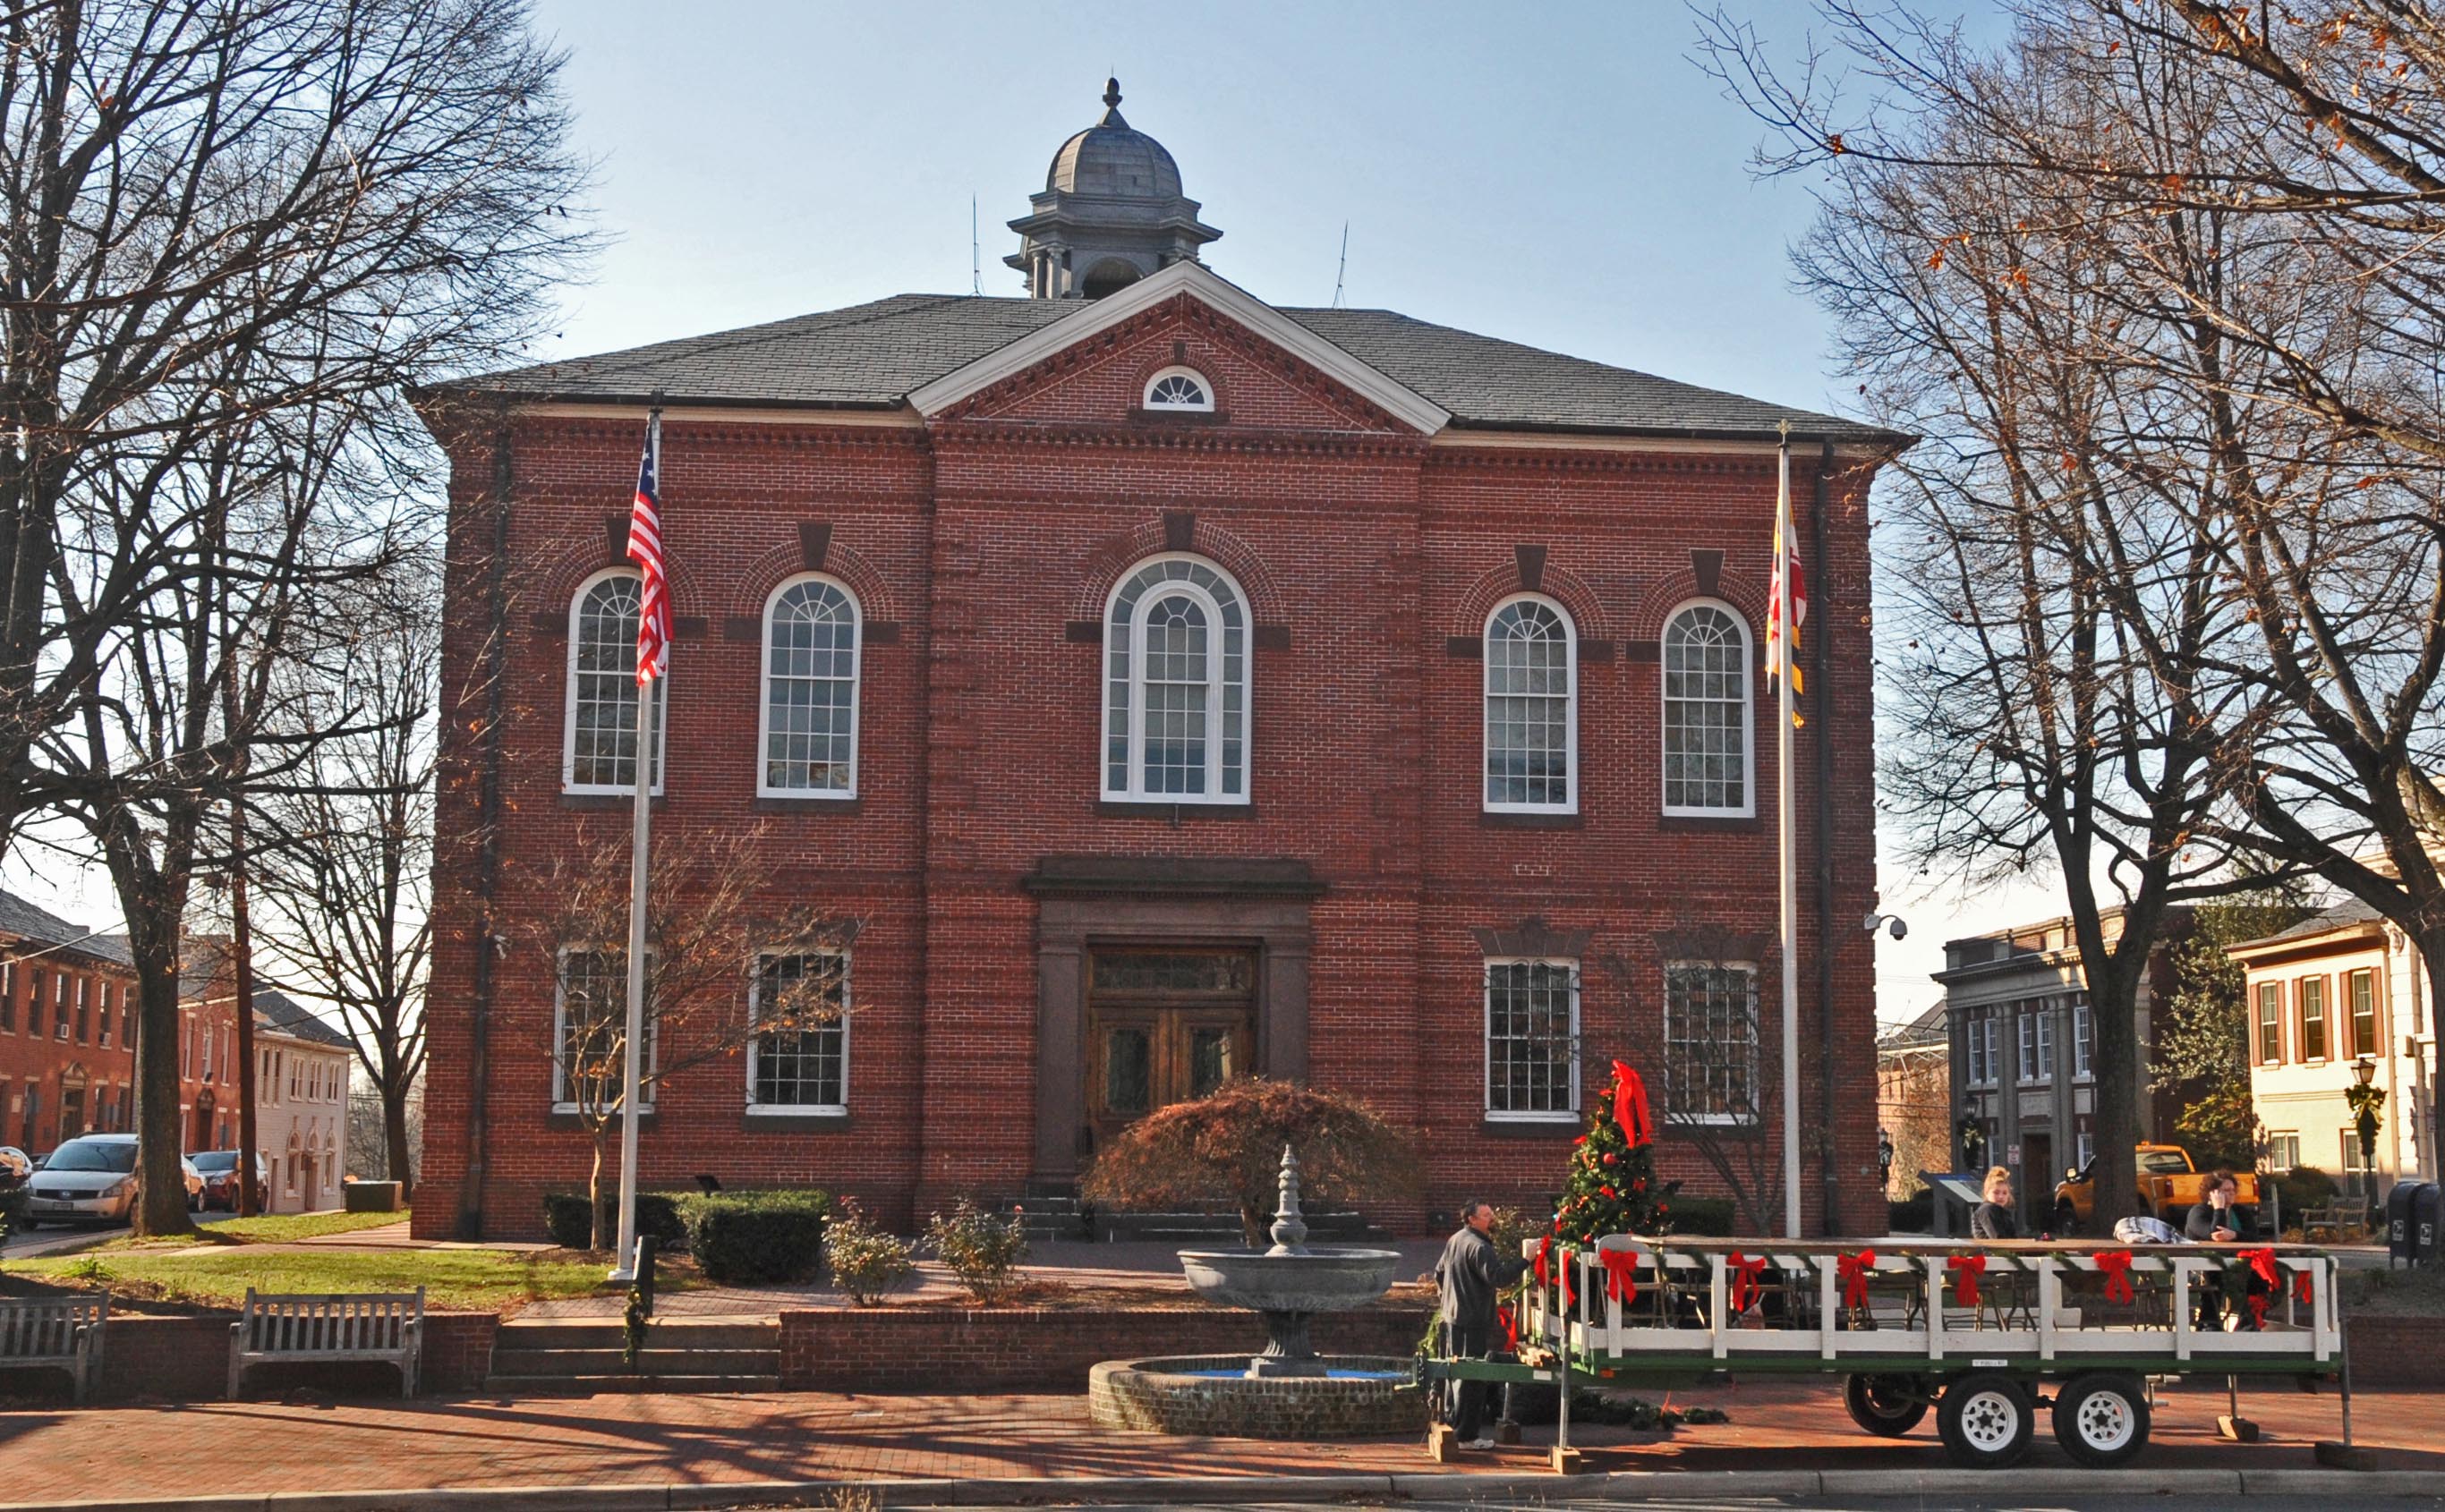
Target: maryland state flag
{"type": "Point", "coordinates": [1781, 650]}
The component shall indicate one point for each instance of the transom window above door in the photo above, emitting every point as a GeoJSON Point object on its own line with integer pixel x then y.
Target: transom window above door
{"type": "Point", "coordinates": [1176, 685]}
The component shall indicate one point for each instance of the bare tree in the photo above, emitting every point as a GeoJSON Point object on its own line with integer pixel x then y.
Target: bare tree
{"type": "Point", "coordinates": [237, 230]}
{"type": "Point", "coordinates": [720, 973]}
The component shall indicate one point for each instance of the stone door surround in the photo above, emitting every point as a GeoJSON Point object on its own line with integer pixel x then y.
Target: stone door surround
{"type": "Point", "coordinates": [1084, 901]}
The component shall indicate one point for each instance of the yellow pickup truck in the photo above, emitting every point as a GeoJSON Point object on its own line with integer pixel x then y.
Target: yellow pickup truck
{"type": "Point", "coordinates": [2170, 1186]}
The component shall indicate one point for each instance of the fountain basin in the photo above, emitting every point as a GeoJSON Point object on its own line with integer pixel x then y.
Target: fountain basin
{"type": "Point", "coordinates": [1364, 1396]}
{"type": "Point", "coordinates": [1315, 1281]}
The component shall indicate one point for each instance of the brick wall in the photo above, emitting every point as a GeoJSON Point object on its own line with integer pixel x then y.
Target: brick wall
{"type": "Point", "coordinates": [998, 1349]}
{"type": "Point", "coordinates": [2395, 1350]}
{"type": "Point", "coordinates": [980, 538]}
{"type": "Point", "coordinates": [458, 1351]}
{"type": "Point", "coordinates": [173, 1359]}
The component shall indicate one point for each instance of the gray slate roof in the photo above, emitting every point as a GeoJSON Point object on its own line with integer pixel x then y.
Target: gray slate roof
{"type": "Point", "coordinates": [873, 356]}
{"type": "Point", "coordinates": [21, 918]}
{"type": "Point", "coordinates": [278, 1012]}
{"type": "Point", "coordinates": [2340, 916]}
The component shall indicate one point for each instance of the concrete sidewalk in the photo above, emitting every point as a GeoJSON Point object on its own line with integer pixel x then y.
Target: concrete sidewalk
{"type": "Point", "coordinates": [658, 1453]}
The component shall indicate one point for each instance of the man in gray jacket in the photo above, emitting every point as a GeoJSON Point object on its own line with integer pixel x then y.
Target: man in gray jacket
{"type": "Point", "coordinates": [1470, 1275]}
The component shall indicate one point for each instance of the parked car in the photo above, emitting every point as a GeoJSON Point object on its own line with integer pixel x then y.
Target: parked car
{"type": "Point", "coordinates": [2170, 1186]}
{"type": "Point", "coordinates": [16, 1167]}
{"type": "Point", "coordinates": [220, 1168]}
{"type": "Point", "coordinates": [92, 1179]}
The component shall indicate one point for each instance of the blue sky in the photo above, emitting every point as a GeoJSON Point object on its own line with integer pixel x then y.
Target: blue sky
{"type": "Point", "coordinates": [1563, 175]}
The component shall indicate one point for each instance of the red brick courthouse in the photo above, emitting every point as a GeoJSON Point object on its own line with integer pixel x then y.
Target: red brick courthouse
{"type": "Point", "coordinates": [1175, 685]}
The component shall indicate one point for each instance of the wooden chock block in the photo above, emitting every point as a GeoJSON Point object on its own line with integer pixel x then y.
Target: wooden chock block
{"type": "Point", "coordinates": [1442, 1443]}
{"type": "Point", "coordinates": [2236, 1430]}
{"type": "Point", "coordinates": [1506, 1432]}
{"type": "Point", "coordinates": [1565, 1460]}
{"type": "Point", "coordinates": [2340, 1456]}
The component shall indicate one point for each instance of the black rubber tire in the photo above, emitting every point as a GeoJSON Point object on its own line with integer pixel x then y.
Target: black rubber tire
{"type": "Point", "coordinates": [2102, 1418]}
{"type": "Point", "coordinates": [1985, 1420]}
{"type": "Point", "coordinates": [1887, 1406]}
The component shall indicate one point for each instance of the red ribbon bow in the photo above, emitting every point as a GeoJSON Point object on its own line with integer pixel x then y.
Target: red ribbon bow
{"type": "Point", "coordinates": [2114, 1265]}
{"type": "Point", "coordinates": [1621, 1273]}
{"type": "Point", "coordinates": [1853, 1272]}
{"type": "Point", "coordinates": [2261, 1261]}
{"type": "Point", "coordinates": [1744, 1280]}
{"type": "Point", "coordinates": [2301, 1289]}
{"type": "Point", "coordinates": [1510, 1322]}
{"type": "Point", "coordinates": [1544, 1249]}
{"type": "Point", "coordinates": [1967, 1269]}
{"type": "Point", "coordinates": [1630, 1105]}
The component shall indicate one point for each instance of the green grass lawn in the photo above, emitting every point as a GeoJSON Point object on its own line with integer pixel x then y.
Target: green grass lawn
{"type": "Point", "coordinates": [281, 1228]}
{"type": "Point", "coordinates": [450, 1278]}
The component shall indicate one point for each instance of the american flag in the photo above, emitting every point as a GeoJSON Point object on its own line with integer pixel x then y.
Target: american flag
{"type": "Point", "coordinates": [645, 550]}
{"type": "Point", "coordinates": [1780, 659]}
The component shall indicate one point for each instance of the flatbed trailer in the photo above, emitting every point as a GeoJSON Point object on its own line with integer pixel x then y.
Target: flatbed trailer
{"type": "Point", "coordinates": [1983, 1333]}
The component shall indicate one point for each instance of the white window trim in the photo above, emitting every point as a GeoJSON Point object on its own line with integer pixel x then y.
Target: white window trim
{"type": "Point", "coordinates": [1747, 809]}
{"type": "Point", "coordinates": [1757, 1045]}
{"type": "Point", "coordinates": [1570, 803]}
{"type": "Point", "coordinates": [1485, 1040]}
{"type": "Point", "coordinates": [561, 1103]}
{"type": "Point", "coordinates": [662, 717]}
{"type": "Point", "coordinates": [764, 691]}
{"type": "Point", "coordinates": [755, 990]}
{"type": "Point", "coordinates": [1205, 385]}
{"type": "Point", "coordinates": [2083, 1047]}
{"type": "Point", "coordinates": [1135, 792]}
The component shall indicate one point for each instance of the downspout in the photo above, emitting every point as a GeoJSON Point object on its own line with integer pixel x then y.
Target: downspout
{"type": "Point", "coordinates": [1822, 706]}
{"type": "Point", "coordinates": [488, 849]}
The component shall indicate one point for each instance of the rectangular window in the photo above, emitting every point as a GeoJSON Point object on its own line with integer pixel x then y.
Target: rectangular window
{"type": "Point", "coordinates": [85, 1009]}
{"type": "Point", "coordinates": [590, 1016]}
{"type": "Point", "coordinates": [1532, 1039]}
{"type": "Point", "coordinates": [2045, 1015]}
{"type": "Point", "coordinates": [127, 1018]}
{"type": "Point", "coordinates": [34, 1006]}
{"type": "Point", "coordinates": [9, 995]}
{"type": "Point", "coordinates": [60, 1005]}
{"type": "Point", "coordinates": [2283, 1150]}
{"type": "Point", "coordinates": [1710, 1042]}
{"type": "Point", "coordinates": [2271, 1023]}
{"type": "Point", "coordinates": [207, 1072]}
{"type": "Point", "coordinates": [2313, 1018]}
{"type": "Point", "coordinates": [109, 995]}
{"type": "Point", "coordinates": [1973, 1034]}
{"type": "Point", "coordinates": [2361, 989]}
{"type": "Point", "coordinates": [2083, 1038]}
{"type": "Point", "coordinates": [799, 1057]}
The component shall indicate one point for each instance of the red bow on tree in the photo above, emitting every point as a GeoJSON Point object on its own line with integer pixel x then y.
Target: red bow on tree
{"type": "Point", "coordinates": [1630, 1105]}
{"type": "Point", "coordinates": [1544, 1250]}
{"type": "Point", "coordinates": [1744, 1280]}
{"type": "Point", "coordinates": [1621, 1273]}
{"type": "Point", "coordinates": [1966, 1271]}
{"type": "Point", "coordinates": [1853, 1272]}
{"type": "Point", "coordinates": [1510, 1322]}
{"type": "Point", "coordinates": [2114, 1265]}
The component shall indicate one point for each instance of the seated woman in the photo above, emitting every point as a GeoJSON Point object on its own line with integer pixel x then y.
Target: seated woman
{"type": "Point", "coordinates": [1994, 1219]}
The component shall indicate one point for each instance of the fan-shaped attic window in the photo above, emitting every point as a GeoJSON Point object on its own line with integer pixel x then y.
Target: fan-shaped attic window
{"type": "Point", "coordinates": [1179, 388]}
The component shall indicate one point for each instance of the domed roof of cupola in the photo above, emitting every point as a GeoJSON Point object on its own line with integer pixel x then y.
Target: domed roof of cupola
{"type": "Point", "coordinates": [1113, 157]}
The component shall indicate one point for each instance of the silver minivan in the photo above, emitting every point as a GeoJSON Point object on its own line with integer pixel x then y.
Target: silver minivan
{"type": "Point", "coordinates": [92, 1179]}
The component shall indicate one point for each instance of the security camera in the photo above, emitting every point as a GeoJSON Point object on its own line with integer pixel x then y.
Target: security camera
{"type": "Point", "coordinates": [1893, 923]}
{"type": "Point", "coordinates": [1896, 928]}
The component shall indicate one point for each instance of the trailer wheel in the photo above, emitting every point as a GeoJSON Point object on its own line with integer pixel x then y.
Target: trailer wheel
{"type": "Point", "coordinates": [1985, 1420]}
{"type": "Point", "coordinates": [2101, 1419]}
{"type": "Point", "coordinates": [1887, 1406]}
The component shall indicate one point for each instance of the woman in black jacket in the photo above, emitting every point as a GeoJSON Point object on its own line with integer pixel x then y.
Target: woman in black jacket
{"type": "Point", "coordinates": [1994, 1219]}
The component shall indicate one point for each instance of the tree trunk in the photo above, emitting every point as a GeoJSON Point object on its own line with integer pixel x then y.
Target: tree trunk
{"type": "Point", "coordinates": [154, 908]}
{"type": "Point", "coordinates": [2113, 998]}
{"type": "Point", "coordinates": [395, 1153]}
{"type": "Point", "coordinates": [605, 1228]}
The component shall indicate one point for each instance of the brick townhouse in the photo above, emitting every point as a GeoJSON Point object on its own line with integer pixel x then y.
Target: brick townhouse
{"type": "Point", "coordinates": [1171, 686]}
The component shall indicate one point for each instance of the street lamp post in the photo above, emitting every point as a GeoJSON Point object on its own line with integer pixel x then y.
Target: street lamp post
{"type": "Point", "coordinates": [2365, 1099]}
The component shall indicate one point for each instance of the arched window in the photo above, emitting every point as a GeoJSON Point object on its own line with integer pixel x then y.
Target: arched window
{"type": "Point", "coordinates": [1707, 713]}
{"type": "Point", "coordinates": [1531, 707]}
{"type": "Point", "coordinates": [600, 754]}
{"type": "Point", "coordinates": [810, 740]}
{"type": "Point", "coordinates": [1179, 388]}
{"type": "Point", "coordinates": [1176, 685]}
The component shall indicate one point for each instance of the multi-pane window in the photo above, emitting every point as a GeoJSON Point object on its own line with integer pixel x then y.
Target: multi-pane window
{"type": "Point", "coordinates": [1978, 1031]}
{"type": "Point", "coordinates": [799, 1057]}
{"type": "Point", "coordinates": [109, 995]}
{"type": "Point", "coordinates": [85, 1011]}
{"type": "Point", "coordinates": [1530, 741]}
{"type": "Point", "coordinates": [2283, 1150]}
{"type": "Point", "coordinates": [2361, 990]}
{"type": "Point", "coordinates": [59, 1006]}
{"type": "Point", "coordinates": [9, 995]}
{"type": "Point", "coordinates": [1710, 1041]}
{"type": "Point", "coordinates": [1532, 1039]}
{"type": "Point", "coordinates": [811, 691]}
{"type": "Point", "coordinates": [2084, 1038]}
{"type": "Point", "coordinates": [34, 1005]}
{"type": "Point", "coordinates": [1179, 388]}
{"type": "Point", "coordinates": [589, 1023]}
{"type": "Point", "coordinates": [1706, 712]}
{"type": "Point", "coordinates": [2036, 1042]}
{"type": "Point", "coordinates": [600, 756]}
{"type": "Point", "coordinates": [2313, 1018]}
{"type": "Point", "coordinates": [2271, 1023]}
{"type": "Point", "coordinates": [1176, 685]}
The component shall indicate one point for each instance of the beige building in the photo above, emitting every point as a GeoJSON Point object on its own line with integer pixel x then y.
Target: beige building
{"type": "Point", "coordinates": [301, 1103]}
{"type": "Point", "coordinates": [2336, 990]}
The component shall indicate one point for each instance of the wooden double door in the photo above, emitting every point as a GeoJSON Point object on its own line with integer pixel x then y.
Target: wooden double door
{"type": "Point", "coordinates": [1164, 1025]}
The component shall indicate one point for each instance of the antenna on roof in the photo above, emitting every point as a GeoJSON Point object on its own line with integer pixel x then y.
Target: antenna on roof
{"type": "Point", "coordinates": [975, 256]}
{"type": "Point", "coordinates": [1342, 271]}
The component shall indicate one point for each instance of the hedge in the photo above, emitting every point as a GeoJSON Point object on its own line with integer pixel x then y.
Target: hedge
{"type": "Point", "coordinates": [750, 1236]}
{"type": "Point", "coordinates": [1703, 1217]}
{"type": "Point", "coordinates": [1913, 1215]}
{"type": "Point", "coordinates": [571, 1222]}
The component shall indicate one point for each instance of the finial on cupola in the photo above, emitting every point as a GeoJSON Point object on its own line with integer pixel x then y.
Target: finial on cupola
{"type": "Point", "coordinates": [1112, 94]}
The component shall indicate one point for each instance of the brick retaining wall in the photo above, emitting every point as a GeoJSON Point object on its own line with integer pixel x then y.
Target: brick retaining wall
{"type": "Point", "coordinates": [186, 1359]}
{"type": "Point", "coordinates": [994, 1349]}
{"type": "Point", "coordinates": [2389, 1350]}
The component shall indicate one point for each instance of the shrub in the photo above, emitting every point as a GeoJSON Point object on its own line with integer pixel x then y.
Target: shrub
{"type": "Point", "coordinates": [746, 1237]}
{"type": "Point", "coordinates": [571, 1224]}
{"type": "Point", "coordinates": [1227, 1147]}
{"type": "Point", "coordinates": [1915, 1215]}
{"type": "Point", "coordinates": [866, 1261]}
{"type": "Point", "coordinates": [2302, 1189]}
{"type": "Point", "coordinates": [982, 1251]}
{"type": "Point", "coordinates": [12, 1211]}
{"type": "Point", "coordinates": [1704, 1217]}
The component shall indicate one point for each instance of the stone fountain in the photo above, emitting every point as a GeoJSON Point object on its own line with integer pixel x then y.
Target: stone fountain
{"type": "Point", "coordinates": [1288, 1391]}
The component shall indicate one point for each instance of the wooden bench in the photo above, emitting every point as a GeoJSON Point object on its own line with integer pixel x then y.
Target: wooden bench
{"type": "Point", "coordinates": [63, 1335]}
{"type": "Point", "coordinates": [329, 1327]}
{"type": "Point", "coordinates": [2337, 1220]}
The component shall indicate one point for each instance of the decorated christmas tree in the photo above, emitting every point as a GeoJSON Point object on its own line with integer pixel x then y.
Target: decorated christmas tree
{"type": "Point", "coordinates": [1612, 1186]}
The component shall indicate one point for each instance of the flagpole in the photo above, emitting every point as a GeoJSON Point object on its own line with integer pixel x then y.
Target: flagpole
{"type": "Point", "coordinates": [1788, 867]}
{"type": "Point", "coordinates": [623, 1259]}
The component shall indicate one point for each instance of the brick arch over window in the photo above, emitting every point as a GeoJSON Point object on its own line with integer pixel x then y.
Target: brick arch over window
{"type": "Point", "coordinates": [1560, 584]}
{"type": "Point", "coordinates": [574, 566]}
{"type": "Point", "coordinates": [1183, 355]}
{"type": "Point", "coordinates": [1746, 594]}
{"type": "Point", "coordinates": [1176, 531]}
{"type": "Point", "coordinates": [754, 586]}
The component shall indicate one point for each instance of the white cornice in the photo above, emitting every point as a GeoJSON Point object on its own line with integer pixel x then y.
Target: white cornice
{"type": "Point", "coordinates": [1194, 279]}
{"type": "Point", "coordinates": [679, 414]}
